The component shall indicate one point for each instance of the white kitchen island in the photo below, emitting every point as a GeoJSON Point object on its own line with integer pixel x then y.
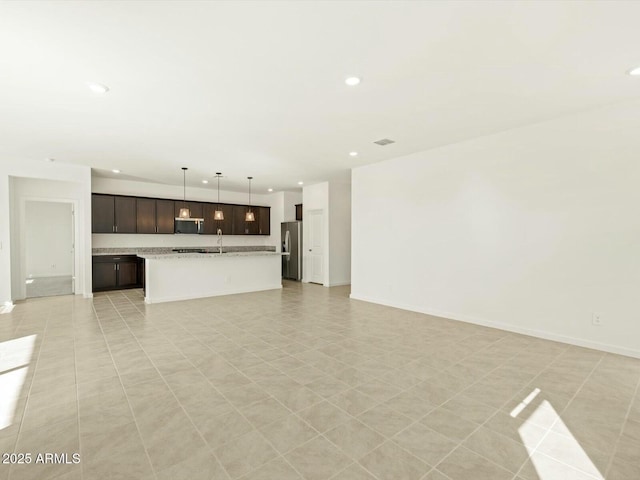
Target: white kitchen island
{"type": "Point", "coordinates": [185, 276]}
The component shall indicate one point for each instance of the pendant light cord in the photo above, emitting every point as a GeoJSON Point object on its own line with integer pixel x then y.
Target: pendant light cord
{"type": "Point", "coordinates": [184, 186]}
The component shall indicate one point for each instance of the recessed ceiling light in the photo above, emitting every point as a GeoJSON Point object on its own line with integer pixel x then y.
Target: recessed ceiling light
{"type": "Point", "coordinates": [205, 181]}
{"type": "Point", "coordinates": [634, 71]}
{"type": "Point", "coordinates": [300, 183]}
{"type": "Point", "coordinates": [97, 87]}
{"type": "Point", "coordinates": [270, 190]}
{"type": "Point", "coordinates": [115, 170]}
{"type": "Point", "coordinates": [353, 154]}
{"type": "Point", "coordinates": [352, 81]}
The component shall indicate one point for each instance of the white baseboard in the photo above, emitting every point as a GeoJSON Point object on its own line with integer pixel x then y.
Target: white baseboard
{"type": "Point", "coordinates": [49, 275]}
{"type": "Point", "coordinates": [7, 307]}
{"type": "Point", "coordinates": [338, 284]}
{"type": "Point", "coordinates": [218, 294]}
{"type": "Point", "coordinates": [87, 295]}
{"type": "Point", "coordinates": [546, 335]}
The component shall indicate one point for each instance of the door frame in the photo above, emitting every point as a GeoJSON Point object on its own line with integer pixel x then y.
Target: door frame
{"type": "Point", "coordinates": [307, 232]}
{"type": "Point", "coordinates": [75, 258]}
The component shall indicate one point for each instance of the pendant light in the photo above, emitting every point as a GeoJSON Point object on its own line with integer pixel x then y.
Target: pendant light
{"type": "Point", "coordinates": [249, 216]}
{"type": "Point", "coordinates": [184, 211]}
{"type": "Point", "coordinates": [218, 214]}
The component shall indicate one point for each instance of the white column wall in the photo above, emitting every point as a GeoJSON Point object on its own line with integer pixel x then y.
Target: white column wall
{"type": "Point", "coordinates": [340, 230]}
{"type": "Point", "coordinates": [315, 197]}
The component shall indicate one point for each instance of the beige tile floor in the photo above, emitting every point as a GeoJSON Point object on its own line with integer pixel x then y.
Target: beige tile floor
{"type": "Point", "coordinates": [49, 286]}
{"type": "Point", "coordinates": [304, 383]}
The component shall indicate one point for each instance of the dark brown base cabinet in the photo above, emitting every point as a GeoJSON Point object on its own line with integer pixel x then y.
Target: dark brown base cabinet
{"type": "Point", "coordinates": [117, 272]}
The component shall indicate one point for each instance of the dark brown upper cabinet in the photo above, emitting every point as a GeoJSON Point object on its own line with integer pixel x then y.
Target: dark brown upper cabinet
{"type": "Point", "coordinates": [125, 218]}
{"type": "Point", "coordinates": [263, 219]}
{"type": "Point", "coordinates": [122, 214]}
{"type": "Point", "coordinates": [260, 226]}
{"type": "Point", "coordinates": [102, 214]}
{"type": "Point", "coordinates": [299, 211]}
{"type": "Point", "coordinates": [165, 214]}
{"type": "Point", "coordinates": [154, 216]}
{"type": "Point", "coordinates": [146, 215]}
{"type": "Point", "coordinates": [113, 214]}
{"type": "Point", "coordinates": [240, 227]}
{"type": "Point", "coordinates": [211, 226]}
{"type": "Point", "coordinates": [194, 207]}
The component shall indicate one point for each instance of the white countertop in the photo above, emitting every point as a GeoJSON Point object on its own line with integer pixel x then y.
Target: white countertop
{"type": "Point", "coordinates": [166, 256]}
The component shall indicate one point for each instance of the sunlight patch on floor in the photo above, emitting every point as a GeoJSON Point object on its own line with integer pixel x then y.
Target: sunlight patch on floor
{"type": "Point", "coordinates": [522, 405]}
{"type": "Point", "coordinates": [15, 356]}
{"type": "Point", "coordinates": [557, 455]}
{"type": "Point", "coordinates": [7, 308]}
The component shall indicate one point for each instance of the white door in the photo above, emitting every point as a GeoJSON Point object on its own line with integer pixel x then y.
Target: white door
{"type": "Point", "coordinates": [316, 246]}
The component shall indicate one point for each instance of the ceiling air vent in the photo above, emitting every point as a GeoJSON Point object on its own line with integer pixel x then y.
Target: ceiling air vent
{"type": "Point", "coordinates": [384, 141]}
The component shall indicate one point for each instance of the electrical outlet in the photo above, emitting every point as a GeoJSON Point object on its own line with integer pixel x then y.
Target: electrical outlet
{"type": "Point", "coordinates": [596, 319]}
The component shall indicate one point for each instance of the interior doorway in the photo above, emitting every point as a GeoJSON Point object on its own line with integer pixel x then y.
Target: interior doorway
{"type": "Point", "coordinates": [316, 246]}
{"type": "Point", "coordinates": [49, 248]}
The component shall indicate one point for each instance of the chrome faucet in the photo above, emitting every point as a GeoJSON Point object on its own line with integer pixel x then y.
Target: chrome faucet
{"type": "Point", "coordinates": [219, 232]}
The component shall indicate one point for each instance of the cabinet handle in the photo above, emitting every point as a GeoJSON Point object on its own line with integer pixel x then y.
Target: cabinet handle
{"type": "Point", "coordinates": [115, 266]}
{"type": "Point", "coordinates": [116, 228]}
{"type": "Point", "coordinates": [113, 228]}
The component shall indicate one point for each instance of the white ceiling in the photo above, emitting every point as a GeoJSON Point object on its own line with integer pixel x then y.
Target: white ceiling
{"type": "Point", "coordinates": [257, 88]}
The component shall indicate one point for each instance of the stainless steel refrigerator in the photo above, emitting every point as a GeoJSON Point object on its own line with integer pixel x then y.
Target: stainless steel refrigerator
{"type": "Point", "coordinates": [292, 250]}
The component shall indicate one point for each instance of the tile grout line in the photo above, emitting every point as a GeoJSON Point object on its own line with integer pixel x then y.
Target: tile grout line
{"type": "Point", "coordinates": [391, 438]}
{"type": "Point", "coordinates": [251, 330]}
{"type": "Point", "coordinates": [26, 405]}
{"type": "Point", "coordinates": [75, 371]}
{"type": "Point", "coordinates": [550, 429]}
{"type": "Point", "coordinates": [296, 413]}
{"type": "Point", "coordinates": [315, 348]}
{"type": "Point", "coordinates": [211, 450]}
{"type": "Point", "coordinates": [499, 409]}
{"type": "Point", "coordinates": [624, 424]}
{"type": "Point", "coordinates": [401, 391]}
{"type": "Point", "coordinates": [122, 384]}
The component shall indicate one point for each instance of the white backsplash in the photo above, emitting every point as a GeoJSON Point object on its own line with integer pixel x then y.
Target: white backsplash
{"type": "Point", "coordinates": [110, 240]}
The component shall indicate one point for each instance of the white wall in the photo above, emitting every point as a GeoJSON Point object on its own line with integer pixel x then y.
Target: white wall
{"type": "Point", "coordinates": [531, 230]}
{"type": "Point", "coordinates": [290, 200]}
{"type": "Point", "coordinates": [48, 239]}
{"type": "Point", "coordinates": [340, 230]}
{"type": "Point", "coordinates": [126, 187]}
{"type": "Point", "coordinates": [42, 181]}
